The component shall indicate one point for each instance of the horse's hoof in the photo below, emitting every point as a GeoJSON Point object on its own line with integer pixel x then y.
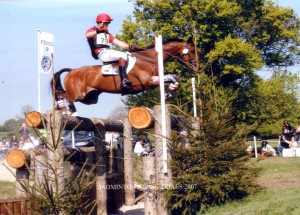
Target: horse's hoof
{"type": "Point", "coordinates": [173, 87]}
{"type": "Point", "coordinates": [168, 95]}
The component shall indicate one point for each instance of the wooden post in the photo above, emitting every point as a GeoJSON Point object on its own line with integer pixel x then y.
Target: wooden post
{"type": "Point", "coordinates": [119, 160]}
{"type": "Point", "coordinates": [22, 176]}
{"type": "Point", "coordinates": [183, 138]}
{"type": "Point", "coordinates": [100, 152]}
{"type": "Point", "coordinates": [55, 154]}
{"type": "Point", "coordinates": [128, 166]}
{"type": "Point", "coordinates": [163, 179]}
{"type": "Point", "coordinates": [150, 194]}
{"type": "Point", "coordinates": [40, 165]}
{"type": "Point", "coordinates": [184, 133]}
{"type": "Point", "coordinates": [75, 169]}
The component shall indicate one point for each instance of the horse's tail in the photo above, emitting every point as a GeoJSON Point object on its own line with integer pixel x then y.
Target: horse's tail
{"type": "Point", "coordinates": [58, 86]}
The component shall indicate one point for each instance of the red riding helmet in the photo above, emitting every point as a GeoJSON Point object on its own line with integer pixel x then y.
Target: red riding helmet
{"type": "Point", "coordinates": [103, 17]}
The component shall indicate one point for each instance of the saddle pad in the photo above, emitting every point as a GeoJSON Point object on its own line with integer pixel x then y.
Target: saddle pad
{"type": "Point", "coordinates": [113, 69]}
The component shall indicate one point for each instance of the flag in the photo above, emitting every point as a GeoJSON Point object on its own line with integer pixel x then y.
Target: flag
{"type": "Point", "coordinates": [45, 52]}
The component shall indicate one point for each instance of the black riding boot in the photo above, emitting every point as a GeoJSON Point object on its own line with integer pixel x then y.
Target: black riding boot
{"type": "Point", "coordinates": [125, 83]}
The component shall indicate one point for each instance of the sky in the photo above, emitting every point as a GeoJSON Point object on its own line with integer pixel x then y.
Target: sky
{"type": "Point", "coordinates": [67, 20]}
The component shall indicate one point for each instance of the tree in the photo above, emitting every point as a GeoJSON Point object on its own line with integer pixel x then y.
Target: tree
{"type": "Point", "coordinates": [215, 168]}
{"type": "Point", "coordinates": [118, 113]}
{"type": "Point", "coordinates": [12, 126]}
{"type": "Point", "coordinates": [272, 101]}
{"type": "Point", "coordinates": [51, 193]}
{"type": "Point", "coordinates": [236, 38]}
{"type": "Point", "coordinates": [25, 110]}
{"type": "Point", "coordinates": [271, 29]}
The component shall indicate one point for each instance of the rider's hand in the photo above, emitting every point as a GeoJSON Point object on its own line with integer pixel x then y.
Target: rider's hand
{"type": "Point", "coordinates": [132, 48]}
{"type": "Point", "coordinates": [97, 30]}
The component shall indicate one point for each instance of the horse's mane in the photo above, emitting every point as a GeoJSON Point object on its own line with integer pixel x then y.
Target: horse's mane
{"type": "Point", "coordinates": [166, 40]}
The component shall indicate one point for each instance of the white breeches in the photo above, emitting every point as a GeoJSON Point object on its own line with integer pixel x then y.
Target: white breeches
{"type": "Point", "coordinates": [106, 55]}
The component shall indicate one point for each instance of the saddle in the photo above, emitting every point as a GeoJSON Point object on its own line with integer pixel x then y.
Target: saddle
{"type": "Point", "coordinates": [112, 68]}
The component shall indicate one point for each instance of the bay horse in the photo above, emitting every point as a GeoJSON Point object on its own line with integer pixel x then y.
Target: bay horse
{"type": "Point", "coordinates": [86, 83]}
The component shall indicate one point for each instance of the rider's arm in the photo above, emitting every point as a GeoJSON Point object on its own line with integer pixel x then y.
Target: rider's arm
{"type": "Point", "coordinates": [120, 43]}
{"type": "Point", "coordinates": [90, 33]}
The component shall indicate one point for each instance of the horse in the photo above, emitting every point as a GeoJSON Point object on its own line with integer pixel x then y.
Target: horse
{"type": "Point", "coordinates": [85, 84]}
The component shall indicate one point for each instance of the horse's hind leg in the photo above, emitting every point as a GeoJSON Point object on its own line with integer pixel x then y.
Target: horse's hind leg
{"type": "Point", "coordinates": [69, 94]}
{"type": "Point", "coordinates": [74, 89]}
{"type": "Point", "coordinates": [62, 94]}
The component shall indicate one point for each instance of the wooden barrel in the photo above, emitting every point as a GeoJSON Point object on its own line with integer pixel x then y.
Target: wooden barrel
{"type": "Point", "coordinates": [140, 118]}
{"type": "Point", "coordinates": [16, 158]}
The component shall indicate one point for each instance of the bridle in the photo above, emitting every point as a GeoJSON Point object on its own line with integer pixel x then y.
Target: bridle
{"type": "Point", "coordinates": [185, 51]}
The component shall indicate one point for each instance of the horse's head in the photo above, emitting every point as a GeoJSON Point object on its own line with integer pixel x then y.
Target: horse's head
{"type": "Point", "coordinates": [184, 50]}
{"type": "Point", "coordinates": [188, 52]}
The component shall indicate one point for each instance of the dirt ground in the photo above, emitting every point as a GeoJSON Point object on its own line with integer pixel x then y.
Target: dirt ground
{"type": "Point", "coordinates": [137, 209]}
{"type": "Point", "coordinates": [5, 174]}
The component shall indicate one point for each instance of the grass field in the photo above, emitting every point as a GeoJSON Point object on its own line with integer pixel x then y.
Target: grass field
{"type": "Point", "coordinates": [7, 189]}
{"type": "Point", "coordinates": [280, 194]}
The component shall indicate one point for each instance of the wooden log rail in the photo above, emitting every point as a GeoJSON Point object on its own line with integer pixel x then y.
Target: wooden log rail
{"type": "Point", "coordinates": [35, 119]}
{"type": "Point", "coordinates": [143, 118]}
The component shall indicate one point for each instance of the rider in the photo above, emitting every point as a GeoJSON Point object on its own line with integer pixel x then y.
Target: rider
{"type": "Point", "coordinates": [99, 39]}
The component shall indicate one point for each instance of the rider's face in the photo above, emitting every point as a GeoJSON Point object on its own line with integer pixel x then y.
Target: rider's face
{"type": "Point", "coordinates": [103, 24]}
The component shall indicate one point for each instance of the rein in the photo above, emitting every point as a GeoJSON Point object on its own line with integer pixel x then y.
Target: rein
{"type": "Point", "coordinates": [188, 64]}
{"type": "Point", "coordinates": [143, 57]}
{"type": "Point", "coordinates": [151, 59]}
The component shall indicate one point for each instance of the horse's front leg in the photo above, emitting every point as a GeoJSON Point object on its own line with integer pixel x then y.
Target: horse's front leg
{"type": "Point", "coordinates": [169, 78]}
{"type": "Point", "coordinates": [173, 80]}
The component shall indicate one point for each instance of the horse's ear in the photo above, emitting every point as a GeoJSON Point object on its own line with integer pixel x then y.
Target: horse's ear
{"type": "Point", "coordinates": [190, 40]}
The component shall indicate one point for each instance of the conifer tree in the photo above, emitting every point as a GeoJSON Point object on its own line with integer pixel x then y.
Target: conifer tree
{"type": "Point", "coordinates": [215, 168]}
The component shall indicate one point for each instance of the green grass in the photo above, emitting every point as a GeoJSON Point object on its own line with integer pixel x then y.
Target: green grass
{"type": "Point", "coordinates": [7, 189]}
{"type": "Point", "coordinates": [280, 193]}
{"type": "Point", "coordinates": [4, 134]}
